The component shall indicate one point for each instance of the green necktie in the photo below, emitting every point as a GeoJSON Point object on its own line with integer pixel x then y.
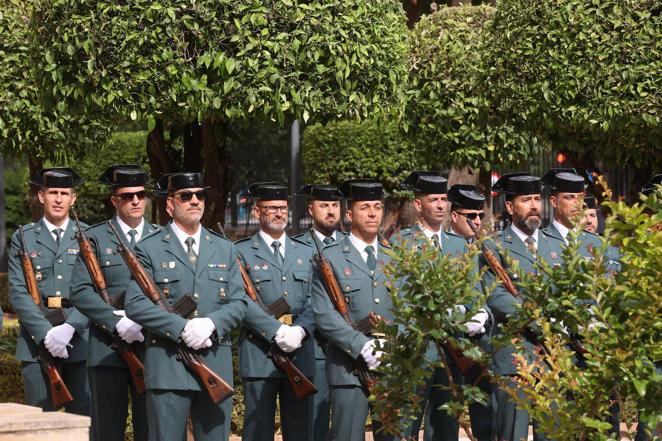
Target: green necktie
{"type": "Point", "coordinates": [57, 232]}
{"type": "Point", "coordinates": [132, 233]}
{"type": "Point", "coordinates": [371, 260]}
{"type": "Point", "coordinates": [435, 241]}
{"type": "Point", "coordinates": [279, 257]}
{"type": "Point", "coordinates": [531, 245]}
{"type": "Point", "coordinates": [190, 252]}
{"type": "Point", "coordinates": [328, 240]}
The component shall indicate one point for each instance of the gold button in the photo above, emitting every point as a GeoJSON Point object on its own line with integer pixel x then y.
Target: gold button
{"type": "Point", "coordinates": [107, 263]}
{"type": "Point", "coordinates": [196, 295]}
{"type": "Point", "coordinates": [220, 278]}
{"type": "Point", "coordinates": [347, 288]}
{"type": "Point", "coordinates": [285, 293]}
{"type": "Point", "coordinates": [376, 300]}
{"type": "Point", "coordinates": [38, 267]}
{"type": "Point", "coordinates": [59, 261]}
{"type": "Point", "coordinates": [58, 293]}
{"type": "Point", "coordinates": [59, 277]}
{"type": "Point", "coordinates": [284, 279]}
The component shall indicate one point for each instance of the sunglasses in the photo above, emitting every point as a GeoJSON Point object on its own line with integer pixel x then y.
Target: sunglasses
{"type": "Point", "coordinates": [186, 196]}
{"type": "Point", "coordinates": [128, 196]}
{"type": "Point", "coordinates": [472, 216]}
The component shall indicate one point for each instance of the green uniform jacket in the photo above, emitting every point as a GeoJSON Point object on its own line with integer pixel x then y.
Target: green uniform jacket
{"type": "Point", "coordinates": [589, 241]}
{"type": "Point", "coordinates": [500, 301]}
{"type": "Point", "coordinates": [272, 282]}
{"type": "Point", "coordinates": [86, 299]}
{"type": "Point", "coordinates": [215, 285]}
{"type": "Point", "coordinates": [53, 267]}
{"type": "Point", "coordinates": [364, 292]}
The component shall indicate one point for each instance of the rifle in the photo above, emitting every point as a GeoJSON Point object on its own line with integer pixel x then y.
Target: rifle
{"type": "Point", "coordinates": [215, 386]}
{"type": "Point", "coordinates": [60, 394]}
{"type": "Point", "coordinates": [300, 384]}
{"type": "Point", "coordinates": [340, 304]}
{"type": "Point", "coordinates": [123, 349]}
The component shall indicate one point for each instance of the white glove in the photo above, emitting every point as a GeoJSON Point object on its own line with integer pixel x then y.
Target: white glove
{"type": "Point", "coordinates": [370, 355]}
{"type": "Point", "coordinates": [477, 323]}
{"type": "Point", "coordinates": [459, 308]}
{"type": "Point", "coordinates": [57, 339]}
{"type": "Point", "coordinates": [197, 333]}
{"type": "Point", "coordinates": [289, 338]}
{"type": "Point", "coordinates": [127, 329]}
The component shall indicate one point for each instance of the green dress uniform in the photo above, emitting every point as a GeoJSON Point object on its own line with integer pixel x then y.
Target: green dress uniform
{"type": "Point", "coordinates": [322, 405]}
{"type": "Point", "coordinates": [439, 425]}
{"type": "Point", "coordinates": [262, 381]}
{"type": "Point", "coordinates": [110, 380]}
{"type": "Point", "coordinates": [365, 291]}
{"type": "Point", "coordinates": [215, 285]}
{"type": "Point", "coordinates": [513, 423]}
{"type": "Point", "coordinates": [53, 267]}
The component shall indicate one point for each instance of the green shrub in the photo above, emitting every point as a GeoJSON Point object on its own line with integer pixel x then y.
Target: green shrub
{"type": "Point", "coordinates": [11, 381]}
{"type": "Point", "coordinates": [5, 304]}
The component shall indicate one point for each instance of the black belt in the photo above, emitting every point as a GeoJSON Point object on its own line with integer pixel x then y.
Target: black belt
{"type": "Point", "coordinates": [55, 302]}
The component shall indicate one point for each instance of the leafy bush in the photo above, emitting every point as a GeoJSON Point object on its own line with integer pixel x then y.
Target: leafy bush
{"type": "Point", "coordinates": [5, 304]}
{"type": "Point", "coordinates": [587, 74]}
{"type": "Point", "coordinates": [448, 115]}
{"type": "Point", "coordinates": [11, 381]}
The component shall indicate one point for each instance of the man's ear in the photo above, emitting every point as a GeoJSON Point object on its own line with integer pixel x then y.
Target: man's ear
{"type": "Point", "coordinates": [553, 200]}
{"type": "Point", "coordinates": [40, 196]}
{"type": "Point", "coordinates": [509, 207]}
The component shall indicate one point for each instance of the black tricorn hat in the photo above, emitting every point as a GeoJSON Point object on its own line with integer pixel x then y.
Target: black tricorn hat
{"type": "Point", "coordinates": [362, 189]}
{"type": "Point", "coordinates": [564, 180]}
{"type": "Point", "coordinates": [56, 177]}
{"type": "Point", "coordinates": [589, 201]}
{"type": "Point", "coordinates": [425, 182]}
{"type": "Point", "coordinates": [125, 175]}
{"type": "Point", "coordinates": [268, 191]}
{"type": "Point", "coordinates": [650, 185]}
{"type": "Point", "coordinates": [466, 196]}
{"type": "Point", "coordinates": [515, 184]}
{"type": "Point", "coordinates": [177, 181]}
{"type": "Point", "coordinates": [320, 192]}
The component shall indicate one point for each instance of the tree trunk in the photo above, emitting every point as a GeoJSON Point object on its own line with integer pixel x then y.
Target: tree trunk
{"type": "Point", "coordinates": [216, 167]}
{"type": "Point", "coordinates": [159, 163]}
{"type": "Point", "coordinates": [35, 164]}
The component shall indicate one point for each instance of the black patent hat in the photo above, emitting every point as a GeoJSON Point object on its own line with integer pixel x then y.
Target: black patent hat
{"type": "Point", "coordinates": [178, 181]}
{"type": "Point", "coordinates": [590, 202]}
{"type": "Point", "coordinates": [425, 182]}
{"type": "Point", "coordinates": [320, 192]}
{"type": "Point", "coordinates": [268, 191]}
{"type": "Point", "coordinates": [126, 175]}
{"type": "Point", "coordinates": [362, 189]}
{"type": "Point", "coordinates": [650, 185]}
{"type": "Point", "coordinates": [516, 184]}
{"type": "Point", "coordinates": [466, 196]}
{"type": "Point", "coordinates": [564, 180]}
{"type": "Point", "coordinates": [56, 177]}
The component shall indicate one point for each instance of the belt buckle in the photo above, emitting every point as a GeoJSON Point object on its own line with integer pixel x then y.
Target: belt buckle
{"type": "Point", "coordinates": [53, 302]}
{"type": "Point", "coordinates": [377, 334]}
{"type": "Point", "coordinates": [285, 319]}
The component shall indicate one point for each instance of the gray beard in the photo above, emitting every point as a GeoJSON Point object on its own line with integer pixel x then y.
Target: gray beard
{"type": "Point", "coordinates": [529, 225]}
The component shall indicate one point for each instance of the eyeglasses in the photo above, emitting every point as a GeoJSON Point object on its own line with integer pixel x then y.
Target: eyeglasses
{"type": "Point", "coordinates": [186, 196]}
{"type": "Point", "coordinates": [128, 196]}
{"type": "Point", "coordinates": [472, 216]}
{"type": "Point", "coordinates": [272, 209]}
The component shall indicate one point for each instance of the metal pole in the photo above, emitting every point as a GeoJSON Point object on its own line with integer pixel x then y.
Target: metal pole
{"type": "Point", "coordinates": [295, 170]}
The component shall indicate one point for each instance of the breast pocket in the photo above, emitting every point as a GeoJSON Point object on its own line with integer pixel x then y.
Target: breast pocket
{"type": "Point", "coordinates": [351, 289]}
{"type": "Point", "coordinates": [43, 269]}
{"type": "Point", "coordinates": [166, 280]}
{"type": "Point", "coordinates": [218, 282]}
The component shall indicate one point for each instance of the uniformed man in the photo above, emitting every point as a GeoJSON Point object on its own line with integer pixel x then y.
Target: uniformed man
{"type": "Point", "coordinates": [468, 204]}
{"type": "Point", "coordinates": [651, 186]}
{"type": "Point", "coordinates": [523, 242]}
{"type": "Point", "coordinates": [324, 208]}
{"type": "Point", "coordinates": [110, 379]}
{"type": "Point", "coordinates": [280, 268]}
{"type": "Point", "coordinates": [590, 220]}
{"type": "Point", "coordinates": [432, 207]}
{"type": "Point", "coordinates": [357, 260]}
{"type": "Point", "coordinates": [186, 259]}
{"type": "Point", "coordinates": [53, 250]}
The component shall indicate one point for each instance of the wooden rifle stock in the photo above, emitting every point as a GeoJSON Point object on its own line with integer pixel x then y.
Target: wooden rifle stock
{"type": "Point", "coordinates": [60, 394]}
{"type": "Point", "coordinates": [217, 388]}
{"type": "Point", "coordinates": [300, 384]}
{"type": "Point", "coordinates": [123, 349]}
{"type": "Point", "coordinates": [340, 304]}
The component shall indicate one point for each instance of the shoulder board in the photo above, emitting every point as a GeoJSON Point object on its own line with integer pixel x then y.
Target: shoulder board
{"type": "Point", "coordinates": [300, 235]}
{"type": "Point", "coordinates": [301, 240]}
{"type": "Point", "coordinates": [152, 234]}
{"type": "Point", "coordinates": [28, 227]}
{"type": "Point", "coordinates": [454, 235]}
{"type": "Point", "coordinates": [217, 234]}
{"type": "Point", "coordinates": [549, 234]}
{"type": "Point", "coordinates": [97, 225]}
{"type": "Point", "coordinates": [589, 234]}
{"type": "Point", "coordinates": [155, 226]}
{"type": "Point", "coordinates": [243, 239]}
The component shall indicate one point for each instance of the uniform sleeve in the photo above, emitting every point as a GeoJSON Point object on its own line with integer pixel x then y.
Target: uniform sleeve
{"type": "Point", "coordinates": [307, 317]}
{"type": "Point", "coordinates": [230, 315]}
{"type": "Point", "coordinates": [29, 314]}
{"type": "Point", "coordinates": [257, 320]}
{"type": "Point", "coordinates": [330, 323]}
{"type": "Point", "coordinates": [142, 310]}
{"type": "Point", "coordinates": [85, 297]}
{"type": "Point", "coordinates": [501, 302]}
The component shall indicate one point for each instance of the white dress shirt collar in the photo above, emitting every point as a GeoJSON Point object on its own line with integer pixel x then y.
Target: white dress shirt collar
{"type": "Point", "coordinates": [182, 236]}
{"type": "Point", "coordinates": [561, 229]}
{"type": "Point", "coordinates": [321, 237]}
{"type": "Point", "coordinates": [269, 240]}
{"type": "Point", "coordinates": [430, 233]}
{"type": "Point", "coordinates": [360, 246]}
{"type": "Point", "coordinates": [139, 229]}
{"type": "Point", "coordinates": [50, 227]}
{"type": "Point", "coordinates": [522, 235]}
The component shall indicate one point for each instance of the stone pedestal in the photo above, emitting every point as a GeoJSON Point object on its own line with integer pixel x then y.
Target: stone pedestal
{"type": "Point", "coordinates": [27, 423]}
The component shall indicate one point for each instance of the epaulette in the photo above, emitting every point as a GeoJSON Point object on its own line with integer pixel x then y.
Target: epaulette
{"type": "Point", "coordinates": [99, 224]}
{"type": "Point", "coordinates": [28, 227]}
{"type": "Point", "coordinates": [217, 234]}
{"type": "Point", "coordinates": [152, 234]}
{"type": "Point", "coordinates": [452, 234]}
{"type": "Point", "coordinates": [243, 239]}
{"type": "Point", "coordinates": [300, 240]}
